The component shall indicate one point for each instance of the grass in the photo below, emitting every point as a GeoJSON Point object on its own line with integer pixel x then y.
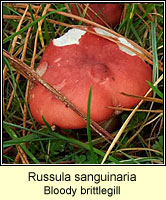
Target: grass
{"type": "Point", "coordinates": [93, 156]}
{"type": "Point", "coordinates": [27, 142]}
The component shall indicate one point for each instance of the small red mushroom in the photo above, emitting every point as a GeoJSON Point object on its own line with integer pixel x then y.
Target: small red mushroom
{"type": "Point", "coordinates": [100, 13]}
{"type": "Point", "coordinates": [78, 60]}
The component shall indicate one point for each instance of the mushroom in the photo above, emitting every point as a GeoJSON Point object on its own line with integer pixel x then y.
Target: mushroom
{"type": "Point", "coordinates": [78, 60]}
{"type": "Point", "coordinates": [100, 13]}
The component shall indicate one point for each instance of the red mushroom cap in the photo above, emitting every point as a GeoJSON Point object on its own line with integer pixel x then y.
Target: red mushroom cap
{"type": "Point", "coordinates": [110, 13]}
{"type": "Point", "coordinates": [78, 60]}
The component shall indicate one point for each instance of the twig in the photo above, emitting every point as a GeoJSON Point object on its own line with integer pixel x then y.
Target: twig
{"type": "Point", "coordinates": [34, 77]}
{"type": "Point", "coordinates": [151, 99]}
{"type": "Point", "coordinates": [138, 110]}
{"type": "Point", "coordinates": [22, 155]}
{"type": "Point", "coordinates": [138, 149]}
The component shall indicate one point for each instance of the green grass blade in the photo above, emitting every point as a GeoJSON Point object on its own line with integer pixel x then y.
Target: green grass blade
{"type": "Point", "coordinates": [137, 35]}
{"type": "Point", "coordinates": [129, 21]}
{"type": "Point", "coordinates": [31, 12]}
{"type": "Point", "coordinates": [14, 11]}
{"type": "Point", "coordinates": [49, 141]}
{"type": "Point", "coordinates": [47, 124]}
{"type": "Point", "coordinates": [31, 24]}
{"type": "Point", "coordinates": [155, 55]}
{"type": "Point", "coordinates": [160, 35]}
{"type": "Point", "coordinates": [125, 20]}
{"type": "Point", "coordinates": [155, 89]}
{"type": "Point", "coordinates": [26, 104]}
{"type": "Point", "coordinates": [149, 9]}
{"type": "Point", "coordinates": [46, 34]}
{"type": "Point", "coordinates": [13, 135]}
{"type": "Point", "coordinates": [131, 159]}
{"type": "Point", "coordinates": [12, 75]}
{"type": "Point", "coordinates": [93, 156]}
{"type": "Point", "coordinates": [24, 139]}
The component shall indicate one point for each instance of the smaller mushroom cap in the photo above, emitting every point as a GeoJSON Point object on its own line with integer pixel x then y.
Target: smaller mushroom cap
{"type": "Point", "coordinates": [75, 62]}
{"type": "Point", "coordinates": [110, 13]}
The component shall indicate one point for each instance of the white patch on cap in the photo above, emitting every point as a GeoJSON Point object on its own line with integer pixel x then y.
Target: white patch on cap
{"type": "Point", "coordinates": [57, 60]}
{"type": "Point", "coordinates": [122, 41]}
{"type": "Point", "coordinates": [69, 38]}
{"type": "Point", "coordinates": [60, 85]}
{"type": "Point", "coordinates": [42, 68]}
{"type": "Point", "coordinates": [103, 32]}
{"type": "Point", "coordinates": [125, 42]}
